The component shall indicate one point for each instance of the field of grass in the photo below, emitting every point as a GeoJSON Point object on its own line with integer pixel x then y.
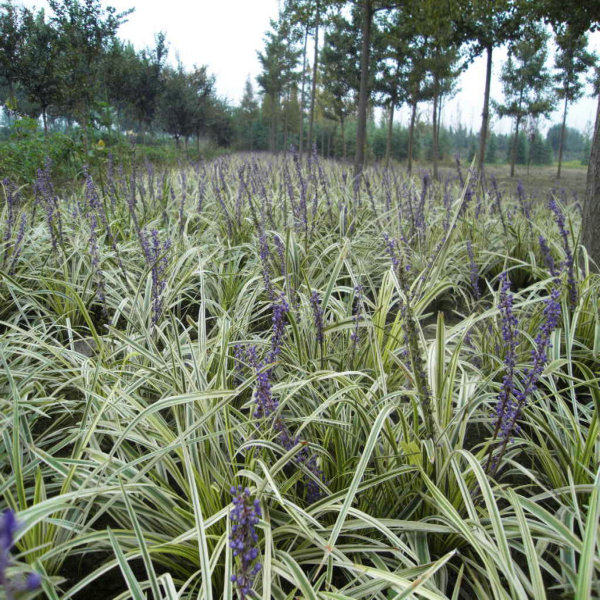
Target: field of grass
{"type": "Point", "coordinates": [401, 375]}
{"type": "Point", "coordinates": [542, 179]}
{"type": "Point", "coordinates": [538, 182]}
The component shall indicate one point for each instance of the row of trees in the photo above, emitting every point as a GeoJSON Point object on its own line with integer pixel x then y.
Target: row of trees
{"type": "Point", "coordinates": [408, 52]}
{"type": "Point", "coordinates": [386, 140]}
{"type": "Point", "coordinates": [72, 67]}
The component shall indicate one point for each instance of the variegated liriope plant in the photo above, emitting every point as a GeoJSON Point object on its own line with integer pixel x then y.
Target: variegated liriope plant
{"type": "Point", "coordinates": [397, 377]}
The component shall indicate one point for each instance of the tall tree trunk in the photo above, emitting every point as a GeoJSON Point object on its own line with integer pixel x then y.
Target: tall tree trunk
{"type": "Point", "coordinates": [562, 138]}
{"type": "Point", "coordinates": [388, 143]}
{"type": "Point", "coordinates": [434, 133]}
{"type": "Point", "coordinates": [85, 123]}
{"type": "Point", "coordinates": [285, 124]}
{"type": "Point", "coordinates": [272, 136]}
{"type": "Point", "coordinates": [439, 121]}
{"type": "Point", "coordinates": [274, 125]}
{"type": "Point", "coordinates": [439, 126]}
{"type": "Point", "coordinates": [301, 136]}
{"type": "Point", "coordinates": [45, 120]}
{"type": "Point", "coordinates": [343, 138]}
{"type": "Point", "coordinates": [363, 95]}
{"type": "Point", "coordinates": [591, 207]}
{"type": "Point", "coordinates": [411, 135]}
{"type": "Point", "coordinates": [313, 92]}
{"type": "Point", "coordinates": [513, 158]}
{"type": "Point", "coordinates": [332, 142]}
{"type": "Point", "coordinates": [11, 100]}
{"type": "Point", "coordinates": [485, 114]}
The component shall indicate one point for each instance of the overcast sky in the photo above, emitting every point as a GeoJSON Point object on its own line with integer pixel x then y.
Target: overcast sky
{"type": "Point", "coordinates": [226, 34]}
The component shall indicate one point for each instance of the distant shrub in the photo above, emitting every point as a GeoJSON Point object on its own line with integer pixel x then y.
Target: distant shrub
{"type": "Point", "coordinates": [25, 149]}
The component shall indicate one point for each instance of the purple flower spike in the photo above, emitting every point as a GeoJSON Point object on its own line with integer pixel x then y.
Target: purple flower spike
{"type": "Point", "coordinates": [390, 246]}
{"type": "Point", "coordinates": [157, 258]}
{"type": "Point", "coordinates": [315, 301]}
{"type": "Point", "coordinates": [510, 324]}
{"type": "Point", "coordinates": [569, 263]}
{"type": "Point", "coordinates": [547, 254]}
{"type": "Point", "coordinates": [512, 397]}
{"type": "Point", "coordinates": [280, 310]}
{"type": "Point", "coordinates": [266, 403]}
{"type": "Point", "coordinates": [243, 539]}
{"type": "Point", "coordinates": [8, 528]}
{"type": "Point", "coordinates": [265, 256]}
{"type": "Point", "coordinates": [33, 581]}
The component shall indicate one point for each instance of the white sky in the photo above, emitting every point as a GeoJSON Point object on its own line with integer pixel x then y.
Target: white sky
{"type": "Point", "coordinates": [226, 34]}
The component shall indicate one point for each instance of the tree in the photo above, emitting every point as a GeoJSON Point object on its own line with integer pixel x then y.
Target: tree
{"type": "Point", "coordinates": [302, 94]}
{"type": "Point", "coordinates": [204, 107]}
{"type": "Point", "coordinates": [442, 55]}
{"type": "Point", "coordinates": [121, 67]}
{"type": "Point", "coordinates": [572, 61]}
{"type": "Point", "coordinates": [291, 114]}
{"type": "Point", "coordinates": [133, 81]}
{"type": "Point", "coordinates": [419, 90]}
{"type": "Point", "coordinates": [148, 83]}
{"type": "Point", "coordinates": [392, 76]}
{"type": "Point", "coordinates": [591, 207]}
{"type": "Point", "coordinates": [574, 141]}
{"type": "Point", "coordinates": [278, 61]}
{"type": "Point", "coordinates": [12, 37]}
{"type": "Point", "coordinates": [313, 89]}
{"type": "Point", "coordinates": [247, 114]}
{"type": "Point", "coordinates": [525, 82]}
{"type": "Point", "coordinates": [444, 71]}
{"type": "Point", "coordinates": [219, 124]}
{"type": "Point", "coordinates": [85, 29]}
{"type": "Point", "coordinates": [339, 72]}
{"type": "Point", "coordinates": [177, 104]}
{"type": "Point", "coordinates": [581, 15]}
{"type": "Point", "coordinates": [540, 151]}
{"type": "Point", "coordinates": [487, 24]}
{"type": "Point", "coordinates": [367, 10]}
{"type": "Point", "coordinates": [41, 59]}
{"type": "Point", "coordinates": [492, 148]}
{"type": "Point", "coordinates": [425, 15]}
{"type": "Point", "coordinates": [310, 14]}
{"type": "Point", "coordinates": [418, 84]}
